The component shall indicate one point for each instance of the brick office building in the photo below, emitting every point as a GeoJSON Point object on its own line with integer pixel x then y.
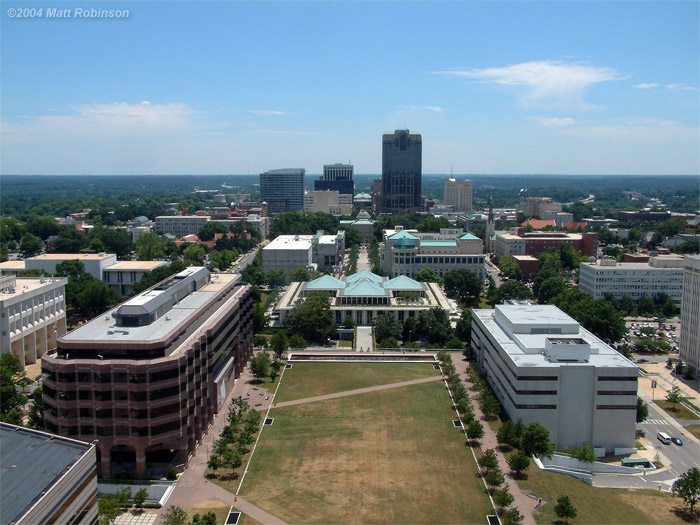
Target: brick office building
{"type": "Point", "coordinates": [146, 378]}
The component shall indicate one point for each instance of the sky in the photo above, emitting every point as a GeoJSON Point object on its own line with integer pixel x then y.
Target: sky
{"type": "Point", "coordinates": [243, 87]}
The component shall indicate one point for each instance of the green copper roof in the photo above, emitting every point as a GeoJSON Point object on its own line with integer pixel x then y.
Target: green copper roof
{"type": "Point", "coordinates": [403, 234]}
{"type": "Point", "coordinates": [364, 274]}
{"type": "Point", "coordinates": [365, 287]}
{"type": "Point", "coordinates": [468, 237]}
{"type": "Point", "coordinates": [325, 282]}
{"type": "Point", "coordinates": [363, 196]}
{"type": "Point", "coordinates": [404, 244]}
{"type": "Point", "coordinates": [362, 222]}
{"type": "Point", "coordinates": [444, 244]}
{"type": "Point", "coordinates": [402, 283]}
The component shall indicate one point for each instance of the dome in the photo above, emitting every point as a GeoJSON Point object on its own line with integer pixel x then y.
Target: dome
{"type": "Point", "coordinates": [405, 244]}
{"type": "Point", "coordinates": [363, 215]}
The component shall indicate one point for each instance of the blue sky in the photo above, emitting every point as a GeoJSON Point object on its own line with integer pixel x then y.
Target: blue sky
{"type": "Point", "coordinates": [237, 87]}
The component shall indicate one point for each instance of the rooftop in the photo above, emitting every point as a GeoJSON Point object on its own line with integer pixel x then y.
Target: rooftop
{"type": "Point", "coordinates": [71, 256]}
{"type": "Point", "coordinates": [31, 462]}
{"type": "Point", "coordinates": [12, 265]}
{"type": "Point", "coordinates": [439, 243]}
{"type": "Point", "coordinates": [25, 285]}
{"type": "Point", "coordinates": [402, 234]}
{"type": "Point", "coordinates": [135, 265]}
{"type": "Point", "coordinates": [290, 242]}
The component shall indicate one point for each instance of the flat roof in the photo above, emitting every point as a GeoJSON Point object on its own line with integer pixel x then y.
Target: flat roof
{"type": "Point", "coordinates": [31, 462]}
{"type": "Point", "coordinates": [71, 256]}
{"type": "Point", "coordinates": [630, 266]}
{"type": "Point", "coordinates": [12, 265]}
{"type": "Point", "coordinates": [135, 265]}
{"type": "Point", "coordinates": [524, 257]}
{"type": "Point", "coordinates": [446, 243]}
{"type": "Point", "coordinates": [290, 242]}
{"type": "Point", "coordinates": [24, 285]}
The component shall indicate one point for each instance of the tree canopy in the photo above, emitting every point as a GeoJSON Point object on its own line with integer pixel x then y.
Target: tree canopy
{"type": "Point", "coordinates": [312, 318]}
{"type": "Point", "coordinates": [463, 285]}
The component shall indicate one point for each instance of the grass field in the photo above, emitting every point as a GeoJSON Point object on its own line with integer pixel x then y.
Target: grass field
{"type": "Point", "coordinates": [598, 505]}
{"type": "Point", "coordinates": [317, 379]}
{"type": "Point", "coordinates": [220, 510]}
{"type": "Point", "coordinates": [391, 456]}
{"type": "Point", "coordinates": [679, 412]}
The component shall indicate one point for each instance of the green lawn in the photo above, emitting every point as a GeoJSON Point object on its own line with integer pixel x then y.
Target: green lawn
{"type": "Point", "coordinates": [391, 456]}
{"type": "Point", "coordinates": [316, 379]}
{"type": "Point", "coordinates": [598, 505]}
{"type": "Point", "coordinates": [679, 412]}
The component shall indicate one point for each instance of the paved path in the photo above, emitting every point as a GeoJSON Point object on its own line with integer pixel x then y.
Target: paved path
{"type": "Point", "coordinates": [524, 503]}
{"type": "Point", "coordinates": [192, 487]}
{"type": "Point", "coordinates": [356, 392]}
{"type": "Point", "coordinates": [363, 342]}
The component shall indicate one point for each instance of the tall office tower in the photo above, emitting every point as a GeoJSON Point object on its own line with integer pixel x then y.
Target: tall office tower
{"type": "Point", "coordinates": [690, 313]}
{"type": "Point", "coordinates": [458, 194]}
{"type": "Point", "coordinates": [337, 177]}
{"type": "Point", "coordinates": [282, 190]}
{"type": "Point", "coordinates": [377, 195]}
{"type": "Point", "coordinates": [401, 172]}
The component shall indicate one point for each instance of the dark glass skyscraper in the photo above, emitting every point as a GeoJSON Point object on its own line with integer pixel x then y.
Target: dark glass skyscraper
{"type": "Point", "coordinates": [402, 154]}
{"type": "Point", "coordinates": [336, 177]}
{"type": "Point", "coordinates": [283, 190]}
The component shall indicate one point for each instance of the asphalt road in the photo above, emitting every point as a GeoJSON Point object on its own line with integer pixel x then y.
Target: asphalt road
{"type": "Point", "coordinates": [493, 272]}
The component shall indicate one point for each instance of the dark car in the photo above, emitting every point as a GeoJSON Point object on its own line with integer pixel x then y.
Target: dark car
{"type": "Point", "coordinates": [677, 441]}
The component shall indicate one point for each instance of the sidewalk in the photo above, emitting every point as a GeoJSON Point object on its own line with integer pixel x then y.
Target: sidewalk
{"type": "Point", "coordinates": [524, 503]}
{"type": "Point", "coordinates": [364, 339]}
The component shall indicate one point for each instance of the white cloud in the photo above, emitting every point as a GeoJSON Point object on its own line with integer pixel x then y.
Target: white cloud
{"type": "Point", "coordinates": [554, 122]}
{"type": "Point", "coordinates": [638, 129]}
{"type": "Point", "coordinates": [434, 109]}
{"type": "Point", "coordinates": [547, 83]}
{"type": "Point", "coordinates": [287, 132]}
{"type": "Point", "coordinates": [682, 87]}
{"type": "Point", "coordinates": [267, 112]}
{"type": "Point", "coordinates": [644, 85]}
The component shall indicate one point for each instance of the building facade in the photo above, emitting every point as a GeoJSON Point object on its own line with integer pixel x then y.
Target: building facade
{"type": "Point", "coordinates": [313, 252]}
{"type": "Point", "coordinates": [362, 223]}
{"type": "Point", "coordinates": [123, 275]}
{"type": "Point", "coordinates": [520, 242]}
{"type": "Point", "coordinates": [545, 368]}
{"type": "Point", "coordinates": [405, 252]}
{"type": "Point", "coordinates": [146, 378]}
{"type": "Point", "coordinates": [180, 225]}
{"type": "Point", "coordinates": [458, 194]}
{"type": "Point", "coordinates": [337, 177]}
{"type": "Point", "coordinates": [32, 316]}
{"type": "Point", "coordinates": [46, 478]}
{"type": "Point", "coordinates": [93, 263]}
{"type": "Point", "coordinates": [402, 154]}
{"type": "Point", "coordinates": [328, 201]}
{"type": "Point", "coordinates": [660, 274]}
{"type": "Point", "coordinates": [364, 296]}
{"type": "Point", "coordinates": [690, 313]}
{"type": "Point", "coordinates": [282, 190]}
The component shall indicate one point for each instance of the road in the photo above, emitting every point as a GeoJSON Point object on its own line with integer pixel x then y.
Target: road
{"type": "Point", "coordinates": [492, 270]}
{"type": "Point", "coordinates": [246, 259]}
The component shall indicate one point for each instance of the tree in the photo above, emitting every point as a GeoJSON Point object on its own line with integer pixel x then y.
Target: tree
{"type": "Point", "coordinates": [550, 288]}
{"type": "Point", "coordinates": [502, 498]}
{"type": "Point", "coordinates": [30, 246]}
{"type": "Point", "coordinates": [475, 430]}
{"type": "Point", "coordinates": [11, 374]}
{"type": "Point", "coordinates": [194, 255]}
{"type": "Point", "coordinates": [140, 497]}
{"type": "Point", "coordinates": [174, 516]}
{"type": "Point", "coordinates": [454, 343]}
{"type": "Point", "coordinates": [642, 410]}
{"type": "Point", "coordinates": [518, 463]}
{"type": "Point", "coordinates": [668, 308]}
{"type": "Point", "coordinates": [348, 322]}
{"type": "Point", "coordinates": [434, 325]}
{"type": "Point", "coordinates": [388, 342]}
{"type": "Point", "coordinates": [565, 509]}
{"type": "Point", "coordinates": [463, 330]}
{"type": "Point", "coordinates": [260, 365]}
{"type": "Point", "coordinates": [279, 343]}
{"type": "Point", "coordinates": [353, 237]}
{"type": "Point", "coordinates": [214, 463]}
{"type": "Point", "coordinates": [410, 329]}
{"type": "Point", "coordinates": [123, 496]}
{"type": "Point", "coordinates": [171, 473]}
{"type": "Point", "coordinates": [276, 278]}
{"type": "Point", "coordinates": [512, 517]}
{"type": "Point", "coordinates": [675, 396]}
{"type": "Point", "coordinates": [535, 440]}
{"type": "Point", "coordinates": [645, 306]}
{"type": "Point", "coordinates": [95, 297]}
{"type": "Point", "coordinates": [205, 519]}
{"type": "Point", "coordinates": [69, 240]}
{"type": "Point", "coordinates": [427, 275]}
{"type": "Point", "coordinates": [312, 318]}
{"type": "Point", "coordinates": [627, 305]}
{"type": "Point", "coordinates": [511, 290]}
{"type": "Point", "coordinates": [299, 275]}
{"type": "Point", "coordinates": [150, 246]}
{"type": "Point", "coordinates": [510, 268]}
{"type": "Point", "coordinates": [463, 285]}
{"type": "Point", "coordinates": [297, 341]}
{"type": "Point", "coordinates": [260, 341]}
{"type": "Point", "coordinates": [687, 487]}
{"type": "Point", "coordinates": [211, 228]}
{"type": "Point", "coordinates": [387, 326]}
{"type": "Point", "coordinates": [107, 509]}
{"type": "Point", "coordinates": [232, 459]}
{"type": "Point", "coordinates": [43, 227]}
{"type": "Point", "coordinates": [584, 453]}
{"type": "Point", "coordinates": [488, 460]}
{"type": "Point", "coordinates": [495, 478]}
{"type": "Point", "coordinates": [489, 405]}
{"type": "Point", "coordinates": [505, 434]}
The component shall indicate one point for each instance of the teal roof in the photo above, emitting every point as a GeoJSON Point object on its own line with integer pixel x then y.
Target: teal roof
{"type": "Point", "coordinates": [364, 222]}
{"type": "Point", "coordinates": [445, 243]}
{"type": "Point", "coordinates": [325, 282]}
{"type": "Point", "coordinates": [402, 283]}
{"type": "Point", "coordinates": [363, 196]}
{"type": "Point", "coordinates": [364, 274]}
{"type": "Point", "coordinates": [403, 234]}
{"type": "Point", "coordinates": [405, 244]}
{"type": "Point", "coordinates": [365, 287]}
{"type": "Point", "coordinates": [468, 237]}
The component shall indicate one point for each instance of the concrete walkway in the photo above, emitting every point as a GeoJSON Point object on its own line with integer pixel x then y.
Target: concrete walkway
{"type": "Point", "coordinates": [192, 487]}
{"type": "Point", "coordinates": [356, 392]}
{"type": "Point", "coordinates": [524, 503]}
{"type": "Point", "coordinates": [363, 340]}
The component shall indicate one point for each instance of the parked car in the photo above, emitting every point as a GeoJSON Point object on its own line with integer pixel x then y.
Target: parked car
{"type": "Point", "coordinates": [677, 441]}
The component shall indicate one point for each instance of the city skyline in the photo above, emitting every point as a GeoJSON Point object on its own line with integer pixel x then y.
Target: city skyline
{"type": "Point", "coordinates": [235, 88]}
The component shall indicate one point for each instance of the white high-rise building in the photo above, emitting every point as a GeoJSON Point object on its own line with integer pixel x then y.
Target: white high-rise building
{"type": "Point", "coordinates": [690, 313]}
{"type": "Point", "coordinates": [458, 194]}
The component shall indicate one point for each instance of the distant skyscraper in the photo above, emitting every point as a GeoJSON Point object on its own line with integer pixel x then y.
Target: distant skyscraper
{"type": "Point", "coordinates": [401, 172]}
{"type": "Point", "coordinates": [283, 190]}
{"type": "Point", "coordinates": [337, 177]}
{"type": "Point", "coordinates": [458, 194]}
{"type": "Point", "coordinates": [690, 313]}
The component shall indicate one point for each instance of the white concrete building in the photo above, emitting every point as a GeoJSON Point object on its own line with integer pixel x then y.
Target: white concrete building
{"type": "Point", "coordinates": [458, 194]}
{"type": "Point", "coordinates": [32, 316]}
{"type": "Point", "coordinates": [94, 263]}
{"type": "Point", "coordinates": [328, 201]}
{"type": "Point", "coordinates": [181, 225]}
{"type": "Point", "coordinates": [405, 252]}
{"type": "Point", "coordinates": [662, 274]}
{"type": "Point", "coordinates": [122, 275]}
{"type": "Point", "coordinates": [314, 252]}
{"type": "Point", "coordinates": [690, 313]}
{"type": "Point", "coordinates": [545, 368]}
